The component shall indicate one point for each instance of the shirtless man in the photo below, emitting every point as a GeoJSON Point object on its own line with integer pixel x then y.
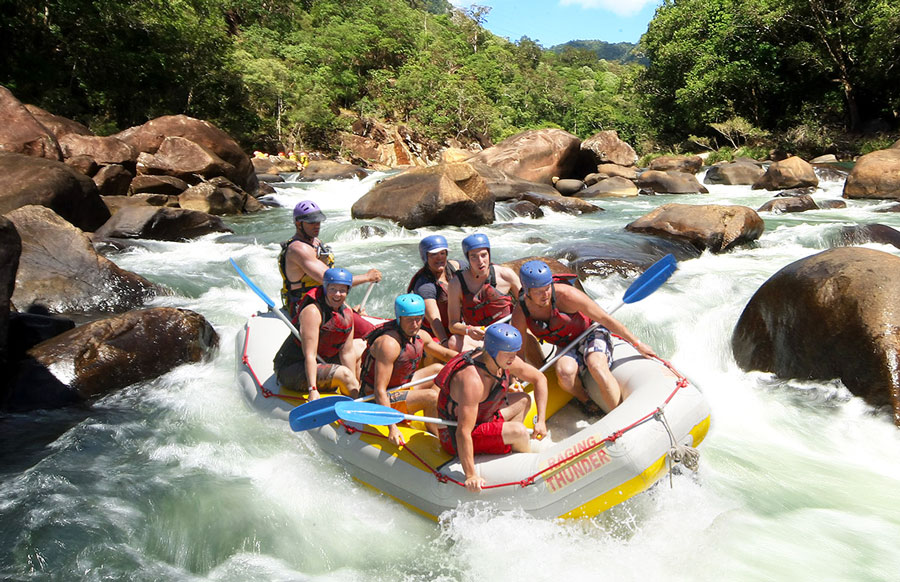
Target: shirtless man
{"type": "Point", "coordinates": [475, 392]}
{"type": "Point", "coordinates": [559, 314]}
{"type": "Point", "coordinates": [304, 259]}
{"type": "Point", "coordinates": [393, 353]}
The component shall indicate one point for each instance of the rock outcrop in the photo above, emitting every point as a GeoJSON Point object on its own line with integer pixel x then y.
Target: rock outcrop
{"type": "Point", "coordinates": [709, 226]}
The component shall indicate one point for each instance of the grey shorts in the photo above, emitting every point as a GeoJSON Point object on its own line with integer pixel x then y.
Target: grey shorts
{"type": "Point", "coordinates": [598, 340]}
{"type": "Point", "coordinates": [290, 369]}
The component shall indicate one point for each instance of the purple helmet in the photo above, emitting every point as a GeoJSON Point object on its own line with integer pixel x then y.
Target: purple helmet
{"type": "Point", "coordinates": [308, 211]}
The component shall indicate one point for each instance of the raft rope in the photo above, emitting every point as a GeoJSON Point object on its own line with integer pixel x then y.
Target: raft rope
{"type": "Point", "coordinates": [688, 456]}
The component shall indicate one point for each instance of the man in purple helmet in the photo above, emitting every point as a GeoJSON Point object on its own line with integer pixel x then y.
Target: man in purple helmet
{"type": "Point", "coordinates": [304, 259]}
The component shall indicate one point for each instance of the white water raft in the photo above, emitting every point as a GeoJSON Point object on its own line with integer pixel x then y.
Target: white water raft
{"type": "Point", "coordinates": [582, 469]}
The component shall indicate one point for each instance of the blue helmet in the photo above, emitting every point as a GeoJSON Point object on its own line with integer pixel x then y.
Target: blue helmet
{"type": "Point", "coordinates": [409, 305]}
{"type": "Point", "coordinates": [432, 244]}
{"type": "Point", "coordinates": [308, 211]}
{"type": "Point", "coordinates": [475, 241]}
{"type": "Point", "coordinates": [535, 274]}
{"type": "Point", "coordinates": [501, 337]}
{"type": "Point", "coordinates": [337, 275]}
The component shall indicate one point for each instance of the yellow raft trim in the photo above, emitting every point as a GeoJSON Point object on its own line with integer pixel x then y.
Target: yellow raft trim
{"type": "Point", "coordinates": [636, 485]}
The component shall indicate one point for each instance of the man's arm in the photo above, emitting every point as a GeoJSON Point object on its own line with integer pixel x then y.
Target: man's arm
{"type": "Point", "coordinates": [310, 321]}
{"type": "Point", "coordinates": [454, 313]}
{"type": "Point", "coordinates": [370, 276]}
{"type": "Point", "coordinates": [303, 257]}
{"type": "Point", "coordinates": [510, 281]}
{"type": "Point", "coordinates": [525, 371]}
{"type": "Point", "coordinates": [570, 299]}
{"type": "Point", "coordinates": [386, 350]}
{"type": "Point", "coordinates": [466, 388]}
{"type": "Point", "coordinates": [435, 349]}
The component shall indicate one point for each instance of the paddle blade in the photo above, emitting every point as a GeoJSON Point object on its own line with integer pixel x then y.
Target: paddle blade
{"type": "Point", "coordinates": [252, 285]}
{"type": "Point", "coordinates": [651, 279]}
{"type": "Point", "coordinates": [317, 413]}
{"type": "Point", "coordinates": [368, 413]}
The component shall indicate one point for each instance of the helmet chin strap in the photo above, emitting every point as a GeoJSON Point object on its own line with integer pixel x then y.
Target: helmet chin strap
{"type": "Point", "coordinates": [303, 231]}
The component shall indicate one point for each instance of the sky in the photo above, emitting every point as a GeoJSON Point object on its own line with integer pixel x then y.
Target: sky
{"type": "Point", "coordinates": [552, 22]}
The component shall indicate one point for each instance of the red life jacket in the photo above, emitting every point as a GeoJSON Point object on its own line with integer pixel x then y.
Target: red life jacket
{"type": "Point", "coordinates": [495, 400]}
{"type": "Point", "coordinates": [406, 364]}
{"type": "Point", "coordinates": [561, 329]}
{"type": "Point", "coordinates": [442, 295]}
{"type": "Point", "coordinates": [487, 304]}
{"type": "Point", "coordinates": [337, 325]}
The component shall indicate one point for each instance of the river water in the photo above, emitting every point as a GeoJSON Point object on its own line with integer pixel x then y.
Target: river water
{"type": "Point", "coordinates": [178, 479]}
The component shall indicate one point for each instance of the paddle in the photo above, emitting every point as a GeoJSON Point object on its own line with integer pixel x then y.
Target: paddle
{"type": "Point", "coordinates": [271, 304]}
{"type": "Point", "coordinates": [648, 282]}
{"type": "Point", "coordinates": [365, 298]}
{"type": "Point", "coordinates": [376, 414]}
{"type": "Point", "coordinates": [316, 413]}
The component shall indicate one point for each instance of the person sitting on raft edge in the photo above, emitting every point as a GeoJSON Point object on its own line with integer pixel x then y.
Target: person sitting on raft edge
{"type": "Point", "coordinates": [558, 314]}
{"type": "Point", "coordinates": [392, 356]}
{"type": "Point", "coordinates": [304, 258]}
{"type": "Point", "coordinates": [324, 357]}
{"type": "Point", "coordinates": [475, 392]}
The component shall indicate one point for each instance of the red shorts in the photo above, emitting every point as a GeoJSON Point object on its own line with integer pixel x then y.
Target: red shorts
{"type": "Point", "coordinates": [487, 438]}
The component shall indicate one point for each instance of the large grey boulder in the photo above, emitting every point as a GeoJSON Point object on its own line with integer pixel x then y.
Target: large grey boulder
{"type": "Point", "coordinates": [21, 133]}
{"type": "Point", "coordinates": [792, 172]}
{"type": "Point", "coordinates": [738, 173]}
{"type": "Point", "coordinates": [27, 180]}
{"type": "Point", "coordinates": [708, 226]}
{"type": "Point", "coordinates": [159, 223]}
{"type": "Point", "coordinates": [875, 175]}
{"type": "Point", "coordinates": [60, 269]}
{"type": "Point", "coordinates": [606, 147]}
{"type": "Point", "coordinates": [536, 155]}
{"type": "Point", "coordinates": [835, 314]}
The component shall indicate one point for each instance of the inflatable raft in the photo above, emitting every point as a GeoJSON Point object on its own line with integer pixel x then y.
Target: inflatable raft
{"type": "Point", "coordinates": [584, 467]}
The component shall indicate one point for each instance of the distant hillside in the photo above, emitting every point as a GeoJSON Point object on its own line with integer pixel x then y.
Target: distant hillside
{"type": "Point", "coordinates": [623, 52]}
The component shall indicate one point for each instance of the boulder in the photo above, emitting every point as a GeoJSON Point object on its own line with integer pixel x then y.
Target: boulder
{"type": "Point", "coordinates": [525, 208]}
{"type": "Point", "coordinates": [103, 356]}
{"type": "Point", "coordinates": [450, 155]}
{"type": "Point", "coordinates": [103, 150]}
{"type": "Point", "coordinates": [875, 175]}
{"type": "Point", "coordinates": [615, 187]}
{"type": "Point", "coordinates": [606, 147]}
{"type": "Point", "coordinates": [559, 203]}
{"type": "Point", "coordinates": [83, 165]}
{"type": "Point", "coordinates": [274, 165]}
{"type": "Point", "coordinates": [830, 173]}
{"type": "Point", "coordinates": [831, 204]}
{"type": "Point", "coordinates": [10, 249]}
{"type": "Point", "coordinates": [184, 159]}
{"type": "Point", "coordinates": [146, 184]}
{"type": "Point", "coordinates": [670, 183]}
{"type": "Point", "coordinates": [710, 226]}
{"type": "Point", "coordinates": [503, 186]}
{"type": "Point", "coordinates": [792, 172]}
{"type": "Point", "coordinates": [686, 164]}
{"type": "Point", "coordinates": [789, 204]}
{"type": "Point", "coordinates": [329, 170]}
{"type": "Point", "coordinates": [860, 234]}
{"type": "Point", "coordinates": [113, 180]}
{"type": "Point", "coordinates": [447, 194]}
{"type": "Point", "coordinates": [628, 255]}
{"type": "Point", "coordinates": [613, 170]}
{"type": "Point", "coordinates": [824, 159]}
{"type": "Point", "coordinates": [535, 155]}
{"type": "Point", "coordinates": [568, 186]}
{"type": "Point", "coordinates": [160, 223]}
{"type": "Point", "coordinates": [58, 125]}
{"type": "Point", "coordinates": [831, 315]}
{"type": "Point", "coordinates": [150, 136]}
{"type": "Point", "coordinates": [891, 208]}
{"type": "Point", "coordinates": [734, 174]}
{"type": "Point", "coordinates": [116, 203]}
{"type": "Point", "coordinates": [21, 133]}
{"type": "Point", "coordinates": [219, 198]}
{"type": "Point", "coordinates": [26, 180]}
{"type": "Point", "coordinates": [60, 269]}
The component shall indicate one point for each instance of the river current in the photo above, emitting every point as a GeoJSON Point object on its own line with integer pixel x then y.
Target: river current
{"type": "Point", "coordinates": [179, 479]}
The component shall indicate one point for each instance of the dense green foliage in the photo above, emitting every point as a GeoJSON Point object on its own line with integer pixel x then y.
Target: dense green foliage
{"type": "Point", "coordinates": [289, 73]}
{"type": "Point", "coordinates": [798, 67]}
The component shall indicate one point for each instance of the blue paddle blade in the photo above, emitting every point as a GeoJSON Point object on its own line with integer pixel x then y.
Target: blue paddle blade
{"type": "Point", "coordinates": [368, 413]}
{"type": "Point", "coordinates": [252, 285]}
{"type": "Point", "coordinates": [317, 413]}
{"type": "Point", "coordinates": [651, 279]}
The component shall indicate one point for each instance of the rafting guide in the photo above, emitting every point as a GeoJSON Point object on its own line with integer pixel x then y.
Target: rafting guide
{"type": "Point", "coordinates": [304, 259]}
{"type": "Point", "coordinates": [475, 392]}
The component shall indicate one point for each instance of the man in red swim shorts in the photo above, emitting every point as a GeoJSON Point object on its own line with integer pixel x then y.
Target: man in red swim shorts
{"type": "Point", "coordinates": [475, 392]}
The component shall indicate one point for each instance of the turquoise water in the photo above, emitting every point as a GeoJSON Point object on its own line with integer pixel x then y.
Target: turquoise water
{"type": "Point", "coordinates": [178, 479]}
